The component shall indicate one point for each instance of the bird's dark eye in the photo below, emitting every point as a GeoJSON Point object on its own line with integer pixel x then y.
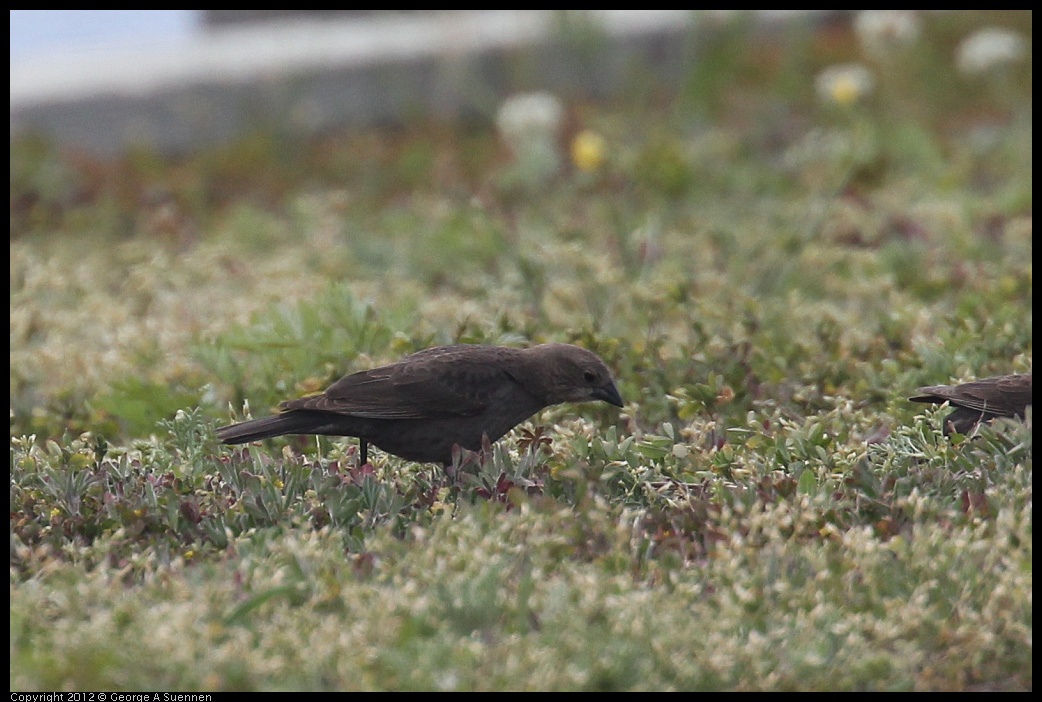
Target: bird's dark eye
{"type": "Point", "coordinates": [589, 376]}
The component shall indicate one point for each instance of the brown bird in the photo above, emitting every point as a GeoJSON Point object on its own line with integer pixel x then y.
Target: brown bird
{"type": "Point", "coordinates": [979, 400]}
{"type": "Point", "coordinates": [423, 405]}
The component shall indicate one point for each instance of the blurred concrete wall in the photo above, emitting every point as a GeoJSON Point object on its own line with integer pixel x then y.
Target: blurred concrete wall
{"type": "Point", "coordinates": [302, 72]}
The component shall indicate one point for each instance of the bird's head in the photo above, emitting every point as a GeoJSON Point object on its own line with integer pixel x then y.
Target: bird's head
{"type": "Point", "coordinates": [573, 374]}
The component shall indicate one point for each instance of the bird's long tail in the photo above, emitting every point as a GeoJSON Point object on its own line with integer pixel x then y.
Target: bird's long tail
{"type": "Point", "coordinates": [267, 427]}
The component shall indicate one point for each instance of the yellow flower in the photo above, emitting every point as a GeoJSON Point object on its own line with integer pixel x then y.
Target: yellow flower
{"type": "Point", "coordinates": [844, 84]}
{"type": "Point", "coordinates": [588, 150]}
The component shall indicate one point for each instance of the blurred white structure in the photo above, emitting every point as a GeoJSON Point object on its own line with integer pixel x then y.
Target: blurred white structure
{"type": "Point", "coordinates": [314, 73]}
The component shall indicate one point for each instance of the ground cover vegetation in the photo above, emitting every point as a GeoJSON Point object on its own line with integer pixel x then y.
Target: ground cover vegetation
{"type": "Point", "coordinates": [770, 254]}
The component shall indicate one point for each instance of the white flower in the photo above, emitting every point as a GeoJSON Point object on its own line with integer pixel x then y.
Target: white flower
{"type": "Point", "coordinates": [529, 116]}
{"type": "Point", "coordinates": [883, 31]}
{"type": "Point", "coordinates": [989, 48]}
{"type": "Point", "coordinates": [530, 124]}
{"type": "Point", "coordinates": [844, 84]}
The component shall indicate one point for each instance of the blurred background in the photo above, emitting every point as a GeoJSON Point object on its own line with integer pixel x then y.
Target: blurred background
{"type": "Point", "coordinates": [181, 79]}
{"type": "Point", "coordinates": [449, 167]}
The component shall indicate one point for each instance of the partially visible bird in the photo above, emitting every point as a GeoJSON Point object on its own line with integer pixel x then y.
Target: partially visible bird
{"type": "Point", "coordinates": [980, 400]}
{"type": "Point", "coordinates": [422, 405]}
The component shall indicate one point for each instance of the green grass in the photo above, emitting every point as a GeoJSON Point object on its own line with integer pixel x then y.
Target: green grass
{"type": "Point", "coordinates": [768, 277]}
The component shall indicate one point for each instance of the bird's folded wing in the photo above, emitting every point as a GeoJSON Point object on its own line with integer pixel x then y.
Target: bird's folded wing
{"type": "Point", "coordinates": [1015, 391]}
{"type": "Point", "coordinates": [1004, 396]}
{"type": "Point", "coordinates": [416, 390]}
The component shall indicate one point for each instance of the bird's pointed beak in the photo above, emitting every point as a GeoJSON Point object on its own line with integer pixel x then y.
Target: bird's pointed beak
{"type": "Point", "coordinates": [609, 393]}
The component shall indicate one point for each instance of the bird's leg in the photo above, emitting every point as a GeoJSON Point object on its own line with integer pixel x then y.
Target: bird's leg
{"type": "Point", "coordinates": [363, 452]}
